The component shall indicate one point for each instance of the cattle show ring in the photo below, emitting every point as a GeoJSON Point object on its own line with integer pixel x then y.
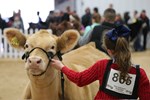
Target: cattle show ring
{"type": "Point", "coordinates": [14, 78]}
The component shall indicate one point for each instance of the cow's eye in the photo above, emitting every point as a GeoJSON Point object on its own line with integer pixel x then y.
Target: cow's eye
{"type": "Point", "coordinates": [26, 46]}
{"type": "Point", "coordinates": [52, 47]}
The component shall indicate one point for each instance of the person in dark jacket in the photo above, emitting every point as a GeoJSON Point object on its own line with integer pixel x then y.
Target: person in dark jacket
{"type": "Point", "coordinates": [145, 27]}
{"type": "Point", "coordinates": [99, 31]}
{"type": "Point", "coordinates": [3, 23]}
{"type": "Point", "coordinates": [86, 19]}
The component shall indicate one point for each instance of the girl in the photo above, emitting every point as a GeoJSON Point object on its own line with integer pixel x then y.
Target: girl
{"type": "Point", "coordinates": [118, 77]}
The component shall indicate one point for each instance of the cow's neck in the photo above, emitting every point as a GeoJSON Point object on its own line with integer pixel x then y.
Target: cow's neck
{"type": "Point", "coordinates": [47, 85]}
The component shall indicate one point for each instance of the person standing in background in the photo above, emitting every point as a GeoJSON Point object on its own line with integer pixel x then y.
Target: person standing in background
{"type": "Point", "coordinates": [86, 18]}
{"type": "Point", "coordinates": [118, 19]}
{"type": "Point", "coordinates": [17, 21]}
{"type": "Point", "coordinates": [100, 30]}
{"type": "Point", "coordinates": [85, 38]}
{"type": "Point", "coordinates": [145, 27]}
{"type": "Point", "coordinates": [3, 23]}
{"type": "Point", "coordinates": [96, 11]}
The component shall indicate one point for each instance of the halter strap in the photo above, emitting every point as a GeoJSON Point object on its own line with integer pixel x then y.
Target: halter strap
{"type": "Point", "coordinates": [59, 54]}
{"type": "Point", "coordinates": [49, 55]}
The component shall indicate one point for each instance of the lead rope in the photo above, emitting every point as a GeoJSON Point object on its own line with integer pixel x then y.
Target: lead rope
{"type": "Point", "coordinates": [62, 76]}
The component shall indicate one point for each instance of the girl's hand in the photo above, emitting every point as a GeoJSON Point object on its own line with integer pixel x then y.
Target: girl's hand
{"type": "Point", "coordinates": [56, 64]}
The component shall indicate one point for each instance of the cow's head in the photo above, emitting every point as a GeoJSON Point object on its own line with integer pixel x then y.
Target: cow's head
{"type": "Point", "coordinates": [40, 47]}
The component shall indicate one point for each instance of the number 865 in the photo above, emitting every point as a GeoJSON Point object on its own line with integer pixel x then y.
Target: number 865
{"type": "Point", "coordinates": [116, 77]}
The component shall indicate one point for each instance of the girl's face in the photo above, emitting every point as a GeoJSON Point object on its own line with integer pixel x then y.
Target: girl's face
{"type": "Point", "coordinates": [110, 52]}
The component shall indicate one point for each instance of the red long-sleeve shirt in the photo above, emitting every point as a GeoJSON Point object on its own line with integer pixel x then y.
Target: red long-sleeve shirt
{"type": "Point", "coordinates": [96, 72]}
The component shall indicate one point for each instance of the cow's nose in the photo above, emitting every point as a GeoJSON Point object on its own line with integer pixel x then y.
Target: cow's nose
{"type": "Point", "coordinates": [34, 61]}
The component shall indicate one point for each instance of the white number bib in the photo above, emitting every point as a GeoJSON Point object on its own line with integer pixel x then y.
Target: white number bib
{"type": "Point", "coordinates": [117, 84]}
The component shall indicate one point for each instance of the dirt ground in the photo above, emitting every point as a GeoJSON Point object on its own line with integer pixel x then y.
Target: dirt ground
{"type": "Point", "coordinates": [13, 76]}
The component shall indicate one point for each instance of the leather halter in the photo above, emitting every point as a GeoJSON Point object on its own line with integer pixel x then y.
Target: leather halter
{"type": "Point", "coordinates": [49, 55]}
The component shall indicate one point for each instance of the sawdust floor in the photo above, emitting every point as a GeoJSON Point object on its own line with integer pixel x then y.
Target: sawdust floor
{"type": "Point", "coordinates": [13, 77]}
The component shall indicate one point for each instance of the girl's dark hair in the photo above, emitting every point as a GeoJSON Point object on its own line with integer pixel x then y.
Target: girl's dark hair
{"type": "Point", "coordinates": [121, 52]}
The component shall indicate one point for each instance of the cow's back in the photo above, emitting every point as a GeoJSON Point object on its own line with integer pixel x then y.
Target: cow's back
{"type": "Point", "coordinates": [79, 60]}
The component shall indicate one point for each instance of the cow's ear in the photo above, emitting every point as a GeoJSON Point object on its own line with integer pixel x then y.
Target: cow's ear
{"type": "Point", "coordinates": [15, 38]}
{"type": "Point", "coordinates": [68, 40]}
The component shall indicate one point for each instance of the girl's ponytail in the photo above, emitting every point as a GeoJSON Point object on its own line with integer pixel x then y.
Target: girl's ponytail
{"type": "Point", "coordinates": [122, 55]}
{"type": "Point", "coordinates": [117, 41]}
